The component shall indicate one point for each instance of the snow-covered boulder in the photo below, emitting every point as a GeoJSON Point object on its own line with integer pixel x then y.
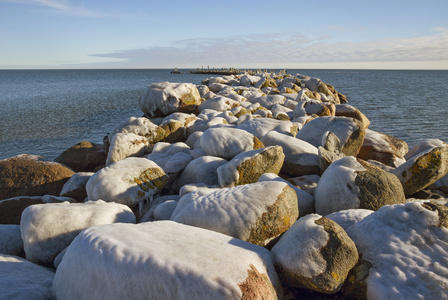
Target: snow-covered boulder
{"type": "Point", "coordinates": [128, 181]}
{"type": "Point", "coordinates": [11, 209]}
{"type": "Point", "coordinates": [349, 131]}
{"type": "Point", "coordinates": [312, 107]}
{"type": "Point", "coordinates": [353, 183]}
{"type": "Point", "coordinates": [172, 158]}
{"type": "Point", "coordinates": [201, 170]}
{"type": "Point", "coordinates": [75, 187]}
{"type": "Point", "coordinates": [164, 98]}
{"type": "Point", "coordinates": [149, 209]}
{"type": "Point", "coordinates": [205, 124]}
{"type": "Point", "coordinates": [11, 240]}
{"type": "Point", "coordinates": [304, 200]}
{"type": "Point", "coordinates": [21, 279]}
{"type": "Point", "coordinates": [423, 169]}
{"type": "Point", "coordinates": [406, 247]}
{"type": "Point", "coordinates": [48, 228]}
{"type": "Point", "coordinates": [248, 166]}
{"type": "Point", "coordinates": [140, 126]}
{"type": "Point", "coordinates": [268, 101]}
{"type": "Point", "coordinates": [125, 145]}
{"type": "Point", "coordinates": [219, 103]}
{"type": "Point", "coordinates": [256, 212]}
{"type": "Point", "coordinates": [384, 148]}
{"type": "Point", "coordinates": [315, 253]}
{"type": "Point", "coordinates": [176, 125]}
{"type": "Point", "coordinates": [301, 158]}
{"type": "Point", "coordinates": [228, 142]}
{"type": "Point", "coordinates": [307, 183]}
{"type": "Point", "coordinates": [423, 146]}
{"type": "Point", "coordinates": [164, 260]}
{"type": "Point", "coordinates": [261, 126]}
{"type": "Point", "coordinates": [345, 110]}
{"type": "Point", "coordinates": [348, 217]}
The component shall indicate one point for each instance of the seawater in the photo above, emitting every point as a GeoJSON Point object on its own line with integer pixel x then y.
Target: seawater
{"type": "Point", "coordinates": [44, 112]}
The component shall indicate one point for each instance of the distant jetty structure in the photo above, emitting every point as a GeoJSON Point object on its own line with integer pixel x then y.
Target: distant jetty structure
{"type": "Point", "coordinates": [229, 71]}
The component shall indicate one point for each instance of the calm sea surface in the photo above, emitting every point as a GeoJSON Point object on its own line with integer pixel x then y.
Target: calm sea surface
{"type": "Point", "coordinates": [44, 112]}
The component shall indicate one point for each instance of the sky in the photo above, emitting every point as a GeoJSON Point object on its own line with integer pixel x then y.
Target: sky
{"type": "Point", "coordinates": [336, 34]}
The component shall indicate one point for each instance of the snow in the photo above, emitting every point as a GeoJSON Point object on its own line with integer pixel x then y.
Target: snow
{"type": "Point", "coordinates": [190, 197]}
{"type": "Point", "coordinates": [125, 145]}
{"type": "Point", "coordinates": [47, 229]}
{"type": "Point", "coordinates": [296, 151]}
{"type": "Point", "coordinates": [232, 211]}
{"type": "Point", "coordinates": [172, 158]}
{"type": "Point", "coordinates": [193, 140]}
{"type": "Point", "coordinates": [268, 101]}
{"type": "Point", "coordinates": [304, 199]}
{"type": "Point", "coordinates": [158, 260]}
{"type": "Point", "coordinates": [140, 126]}
{"type": "Point", "coordinates": [119, 182]}
{"type": "Point", "coordinates": [348, 217]}
{"type": "Point", "coordinates": [408, 251]}
{"type": "Point", "coordinates": [298, 250]}
{"type": "Point", "coordinates": [188, 188]}
{"type": "Point", "coordinates": [165, 96]}
{"type": "Point", "coordinates": [10, 240]}
{"type": "Point", "coordinates": [338, 182]}
{"type": "Point", "coordinates": [226, 142]}
{"type": "Point", "coordinates": [201, 170]}
{"type": "Point", "coordinates": [261, 126]}
{"type": "Point", "coordinates": [377, 141]}
{"type": "Point", "coordinates": [76, 181]}
{"type": "Point", "coordinates": [21, 279]}
{"type": "Point", "coordinates": [186, 119]}
{"type": "Point", "coordinates": [218, 103]}
{"type": "Point", "coordinates": [164, 210]}
{"type": "Point", "coordinates": [204, 125]}
{"type": "Point", "coordinates": [424, 146]}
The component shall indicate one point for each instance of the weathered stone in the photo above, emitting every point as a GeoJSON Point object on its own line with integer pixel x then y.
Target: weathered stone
{"type": "Point", "coordinates": [345, 110]}
{"type": "Point", "coordinates": [75, 187]}
{"type": "Point", "coordinates": [11, 209]}
{"type": "Point", "coordinates": [256, 213]}
{"type": "Point", "coordinates": [423, 169]}
{"type": "Point", "coordinates": [248, 166]}
{"type": "Point", "coordinates": [353, 183]}
{"type": "Point", "coordinates": [261, 126]}
{"type": "Point", "coordinates": [315, 253]}
{"type": "Point", "coordinates": [125, 145]}
{"type": "Point", "coordinates": [83, 157]}
{"type": "Point", "coordinates": [31, 175]}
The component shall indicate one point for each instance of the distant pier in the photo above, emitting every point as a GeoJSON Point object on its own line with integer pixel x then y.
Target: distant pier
{"type": "Point", "coordinates": [227, 71]}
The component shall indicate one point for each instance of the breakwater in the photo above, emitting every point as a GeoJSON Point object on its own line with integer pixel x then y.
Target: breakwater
{"type": "Point", "coordinates": [229, 71]}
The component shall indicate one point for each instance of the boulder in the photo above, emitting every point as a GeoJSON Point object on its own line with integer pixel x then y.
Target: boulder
{"type": "Point", "coordinates": [348, 217]}
{"type": "Point", "coordinates": [176, 261]}
{"type": "Point", "coordinates": [31, 175]}
{"type": "Point", "coordinates": [351, 183]}
{"type": "Point", "coordinates": [141, 126]}
{"type": "Point", "coordinates": [172, 158]}
{"type": "Point", "coordinates": [261, 126]}
{"type": "Point", "coordinates": [383, 148]}
{"type": "Point", "coordinates": [248, 166]}
{"type": "Point", "coordinates": [349, 131]}
{"type": "Point", "coordinates": [164, 98]}
{"type": "Point", "coordinates": [307, 183]}
{"type": "Point", "coordinates": [315, 253]}
{"type": "Point", "coordinates": [423, 169]}
{"type": "Point", "coordinates": [129, 181]}
{"type": "Point", "coordinates": [312, 107]}
{"type": "Point", "coordinates": [422, 147]}
{"type": "Point", "coordinates": [345, 110]}
{"type": "Point", "coordinates": [301, 158]}
{"type": "Point", "coordinates": [11, 209]}
{"type": "Point", "coordinates": [125, 145]}
{"type": "Point", "coordinates": [256, 213]}
{"type": "Point", "coordinates": [219, 103]}
{"type": "Point", "coordinates": [83, 157]}
{"type": "Point", "coordinates": [21, 279]}
{"type": "Point", "coordinates": [11, 241]}
{"type": "Point", "coordinates": [176, 125]}
{"type": "Point", "coordinates": [49, 228]}
{"type": "Point", "coordinates": [228, 142]}
{"type": "Point", "coordinates": [75, 187]}
{"type": "Point", "coordinates": [405, 245]}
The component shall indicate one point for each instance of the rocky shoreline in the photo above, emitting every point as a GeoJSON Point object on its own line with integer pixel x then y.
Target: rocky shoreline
{"type": "Point", "coordinates": [265, 186]}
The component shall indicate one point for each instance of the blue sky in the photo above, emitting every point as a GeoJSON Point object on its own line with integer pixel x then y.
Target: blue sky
{"type": "Point", "coordinates": [359, 34]}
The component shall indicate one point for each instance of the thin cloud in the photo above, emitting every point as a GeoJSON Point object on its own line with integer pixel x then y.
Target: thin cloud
{"type": "Point", "coordinates": [284, 49]}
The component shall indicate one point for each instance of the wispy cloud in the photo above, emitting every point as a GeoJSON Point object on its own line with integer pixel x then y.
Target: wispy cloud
{"type": "Point", "coordinates": [66, 7]}
{"type": "Point", "coordinates": [285, 49]}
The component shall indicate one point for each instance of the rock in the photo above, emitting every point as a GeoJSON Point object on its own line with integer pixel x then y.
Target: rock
{"type": "Point", "coordinates": [248, 166]}
{"type": "Point", "coordinates": [256, 213]}
{"type": "Point", "coordinates": [268, 101]}
{"type": "Point", "coordinates": [75, 187]}
{"type": "Point", "coordinates": [48, 228]}
{"type": "Point", "coordinates": [211, 265]}
{"type": "Point", "coordinates": [345, 110]}
{"type": "Point", "coordinates": [349, 131]}
{"type": "Point", "coordinates": [312, 107]}
{"type": "Point", "coordinates": [31, 175]}
{"type": "Point", "coordinates": [346, 218]}
{"type": "Point", "coordinates": [382, 147]}
{"type": "Point", "coordinates": [164, 98]}
{"type": "Point", "coordinates": [219, 103]}
{"type": "Point", "coordinates": [172, 158]}
{"type": "Point", "coordinates": [351, 183]}
{"type": "Point", "coordinates": [148, 212]}
{"type": "Point", "coordinates": [423, 146]}
{"type": "Point", "coordinates": [423, 169]}
{"type": "Point", "coordinates": [11, 241]}
{"type": "Point", "coordinates": [307, 183]}
{"type": "Point", "coordinates": [21, 279]}
{"type": "Point", "coordinates": [301, 158]}
{"type": "Point", "coordinates": [261, 126]}
{"type": "Point", "coordinates": [315, 253]}
{"type": "Point", "coordinates": [406, 247]}
{"type": "Point", "coordinates": [83, 157]}
{"type": "Point", "coordinates": [129, 181]}
{"type": "Point", "coordinates": [142, 127]}
{"type": "Point", "coordinates": [330, 151]}
{"type": "Point", "coordinates": [176, 125]}
{"type": "Point", "coordinates": [11, 209]}
{"type": "Point", "coordinates": [201, 170]}
{"type": "Point", "coordinates": [125, 145]}
{"type": "Point", "coordinates": [228, 142]}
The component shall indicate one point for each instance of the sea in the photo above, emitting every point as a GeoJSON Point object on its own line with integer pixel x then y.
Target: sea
{"type": "Point", "coordinates": [44, 112]}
